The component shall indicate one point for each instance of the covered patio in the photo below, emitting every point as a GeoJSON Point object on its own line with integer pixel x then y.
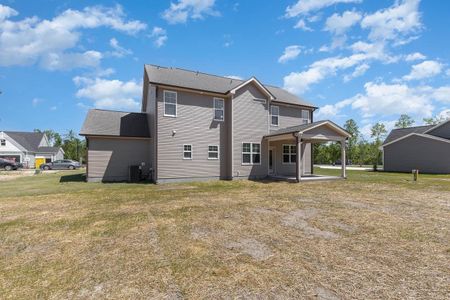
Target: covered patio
{"type": "Point", "coordinates": [290, 150]}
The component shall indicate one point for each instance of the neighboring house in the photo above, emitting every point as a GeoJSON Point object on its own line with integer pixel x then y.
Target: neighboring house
{"type": "Point", "coordinates": [423, 148]}
{"type": "Point", "coordinates": [29, 148]}
{"type": "Point", "coordinates": [194, 125]}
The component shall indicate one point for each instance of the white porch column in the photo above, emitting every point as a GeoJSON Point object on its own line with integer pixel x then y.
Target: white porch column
{"type": "Point", "coordinates": [299, 154]}
{"type": "Point", "coordinates": [343, 160]}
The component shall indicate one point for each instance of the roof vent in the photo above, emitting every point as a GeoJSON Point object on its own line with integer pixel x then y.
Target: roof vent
{"type": "Point", "coordinates": [196, 73]}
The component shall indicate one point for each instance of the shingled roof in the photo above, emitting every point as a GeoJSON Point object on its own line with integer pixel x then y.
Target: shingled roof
{"type": "Point", "coordinates": [115, 123]}
{"type": "Point", "coordinates": [28, 140]}
{"type": "Point", "coordinates": [211, 83]}
{"type": "Point", "coordinates": [401, 132]}
{"type": "Point", "coordinates": [305, 127]}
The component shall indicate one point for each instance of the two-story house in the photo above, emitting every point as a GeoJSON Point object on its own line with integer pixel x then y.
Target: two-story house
{"type": "Point", "coordinates": [194, 125]}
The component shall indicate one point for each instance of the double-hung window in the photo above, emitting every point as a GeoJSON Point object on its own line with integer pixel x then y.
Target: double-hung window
{"type": "Point", "coordinates": [219, 109]}
{"type": "Point", "coordinates": [251, 153]}
{"type": "Point", "coordinates": [213, 152]}
{"type": "Point", "coordinates": [2, 142]}
{"type": "Point", "coordinates": [274, 115]}
{"type": "Point", "coordinates": [289, 154]}
{"type": "Point", "coordinates": [187, 151]}
{"type": "Point", "coordinates": [305, 117]}
{"type": "Point", "coordinates": [170, 103]}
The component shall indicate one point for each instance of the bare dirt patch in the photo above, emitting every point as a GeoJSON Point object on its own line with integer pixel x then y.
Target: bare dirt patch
{"type": "Point", "coordinates": [298, 219]}
{"type": "Point", "coordinates": [251, 247]}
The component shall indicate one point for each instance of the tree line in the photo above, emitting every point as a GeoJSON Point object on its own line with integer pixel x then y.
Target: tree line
{"type": "Point", "coordinates": [361, 151]}
{"type": "Point", "coordinates": [74, 148]}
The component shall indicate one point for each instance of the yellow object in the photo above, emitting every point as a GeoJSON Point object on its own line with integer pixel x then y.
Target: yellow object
{"type": "Point", "coordinates": [39, 161]}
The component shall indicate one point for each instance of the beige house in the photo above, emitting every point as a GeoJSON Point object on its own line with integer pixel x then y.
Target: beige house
{"type": "Point", "coordinates": [195, 126]}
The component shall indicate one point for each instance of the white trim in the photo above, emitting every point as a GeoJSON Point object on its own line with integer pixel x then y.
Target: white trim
{"type": "Point", "coordinates": [218, 152]}
{"type": "Point", "coordinates": [255, 81]}
{"type": "Point", "coordinates": [290, 154]}
{"type": "Point", "coordinates": [345, 133]}
{"type": "Point", "coordinates": [437, 126]}
{"type": "Point", "coordinates": [176, 103]}
{"type": "Point", "coordinates": [271, 115]}
{"type": "Point", "coordinates": [251, 163]}
{"type": "Point", "coordinates": [192, 152]}
{"type": "Point", "coordinates": [260, 100]}
{"type": "Point", "coordinates": [428, 136]}
{"type": "Point", "coordinates": [214, 109]}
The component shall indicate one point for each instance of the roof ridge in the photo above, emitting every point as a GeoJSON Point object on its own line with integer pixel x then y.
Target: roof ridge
{"type": "Point", "coordinates": [412, 127]}
{"type": "Point", "coordinates": [198, 72]}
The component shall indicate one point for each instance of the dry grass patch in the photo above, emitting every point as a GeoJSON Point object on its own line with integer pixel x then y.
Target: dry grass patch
{"type": "Point", "coordinates": [376, 237]}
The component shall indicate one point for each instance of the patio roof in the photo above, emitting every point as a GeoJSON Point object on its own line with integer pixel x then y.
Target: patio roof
{"type": "Point", "coordinates": [321, 130]}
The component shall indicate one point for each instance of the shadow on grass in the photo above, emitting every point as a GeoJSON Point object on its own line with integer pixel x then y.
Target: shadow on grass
{"type": "Point", "coordinates": [73, 178]}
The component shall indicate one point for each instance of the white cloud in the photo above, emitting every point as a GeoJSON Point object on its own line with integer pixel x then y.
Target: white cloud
{"type": "Point", "coordinates": [442, 94]}
{"type": "Point", "coordinates": [359, 71]}
{"type": "Point", "coordinates": [110, 94]}
{"type": "Point", "coordinates": [393, 99]}
{"type": "Point", "coordinates": [426, 69]}
{"type": "Point", "coordinates": [234, 77]}
{"type": "Point", "coordinates": [36, 101]}
{"type": "Point", "coordinates": [7, 12]}
{"type": "Point", "coordinates": [444, 114]}
{"type": "Point", "coordinates": [119, 51]}
{"type": "Point", "coordinates": [68, 61]}
{"type": "Point", "coordinates": [32, 40]}
{"type": "Point", "coordinates": [415, 56]}
{"type": "Point", "coordinates": [183, 10]}
{"type": "Point", "coordinates": [395, 22]}
{"type": "Point", "coordinates": [332, 110]}
{"type": "Point", "coordinates": [304, 7]}
{"type": "Point", "coordinates": [160, 36]}
{"type": "Point", "coordinates": [301, 24]}
{"type": "Point", "coordinates": [339, 24]}
{"type": "Point", "coordinates": [290, 53]}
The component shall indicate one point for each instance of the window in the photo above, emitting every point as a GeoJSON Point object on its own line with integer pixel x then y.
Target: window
{"type": "Point", "coordinates": [3, 142]}
{"type": "Point", "coordinates": [170, 103]}
{"type": "Point", "coordinates": [289, 154]}
{"type": "Point", "coordinates": [305, 116]}
{"type": "Point", "coordinates": [251, 154]}
{"type": "Point", "coordinates": [213, 152]}
{"type": "Point", "coordinates": [274, 115]}
{"type": "Point", "coordinates": [187, 151]}
{"type": "Point", "coordinates": [219, 109]}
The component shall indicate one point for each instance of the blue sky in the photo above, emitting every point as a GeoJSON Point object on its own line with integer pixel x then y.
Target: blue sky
{"type": "Point", "coordinates": [361, 59]}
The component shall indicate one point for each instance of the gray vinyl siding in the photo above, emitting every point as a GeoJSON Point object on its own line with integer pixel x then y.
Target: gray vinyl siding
{"type": "Point", "coordinates": [442, 131]}
{"type": "Point", "coordinates": [194, 125]}
{"type": "Point", "coordinates": [250, 124]}
{"type": "Point", "coordinates": [288, 169]}
{"type": "Point", "coordinates": [289, 116]}
{"type": "Point", "coordinates": [109, 159]}
{"type": "Point", "coordinates": [416, 152]}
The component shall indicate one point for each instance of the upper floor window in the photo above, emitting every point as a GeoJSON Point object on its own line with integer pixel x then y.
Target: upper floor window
{"type": "Point", "coordinates": [305, 117]}
{"type": "Point", "coordinates": [251, 153]}
{"type": "Point", "coordinates": [274, 115]}
{"type": "Point", "coordinates": [2, 142]}
{"type": "Point", "coordinates": [187, 151]}
{"type": "Point", "coordinates": [213, 152]}
{"type": "Point", "coordinates": [289, 154]}
{"type": "Point", "coordinates": [219, 109]}
{"type": "Point", "coordinates": [170, 103]}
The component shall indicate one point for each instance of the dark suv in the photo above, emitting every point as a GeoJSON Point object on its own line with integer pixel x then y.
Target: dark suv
{"type": "Point", "coordinates": [63, 164]}
{"type": "Point", "coordinates": [9, 165]}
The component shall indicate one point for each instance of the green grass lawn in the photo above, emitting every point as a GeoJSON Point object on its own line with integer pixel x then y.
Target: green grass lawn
{"type": "Point", "coordinates": [374, 235]}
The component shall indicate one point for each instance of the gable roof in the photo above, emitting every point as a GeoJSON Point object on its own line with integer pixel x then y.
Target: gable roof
{"type": "Point", "coordinates": [305, 127]}
{"type": "Point", "coordinates": [115, 123]}
{"type": "Point", "coordinates": [433, 127]}
{"type": "Point", "coordinates": [212, 83]}
{"type": "Point", "coordinates": [258, 84]}
{"type": "Point", "coordinates": [28, 140]}
{"type": "Point", "coordinates": [423, 135]}
{"type": "Point", "coordinates": [398, 133]}
{"type": "Point", "coordinates": [49, 149]}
